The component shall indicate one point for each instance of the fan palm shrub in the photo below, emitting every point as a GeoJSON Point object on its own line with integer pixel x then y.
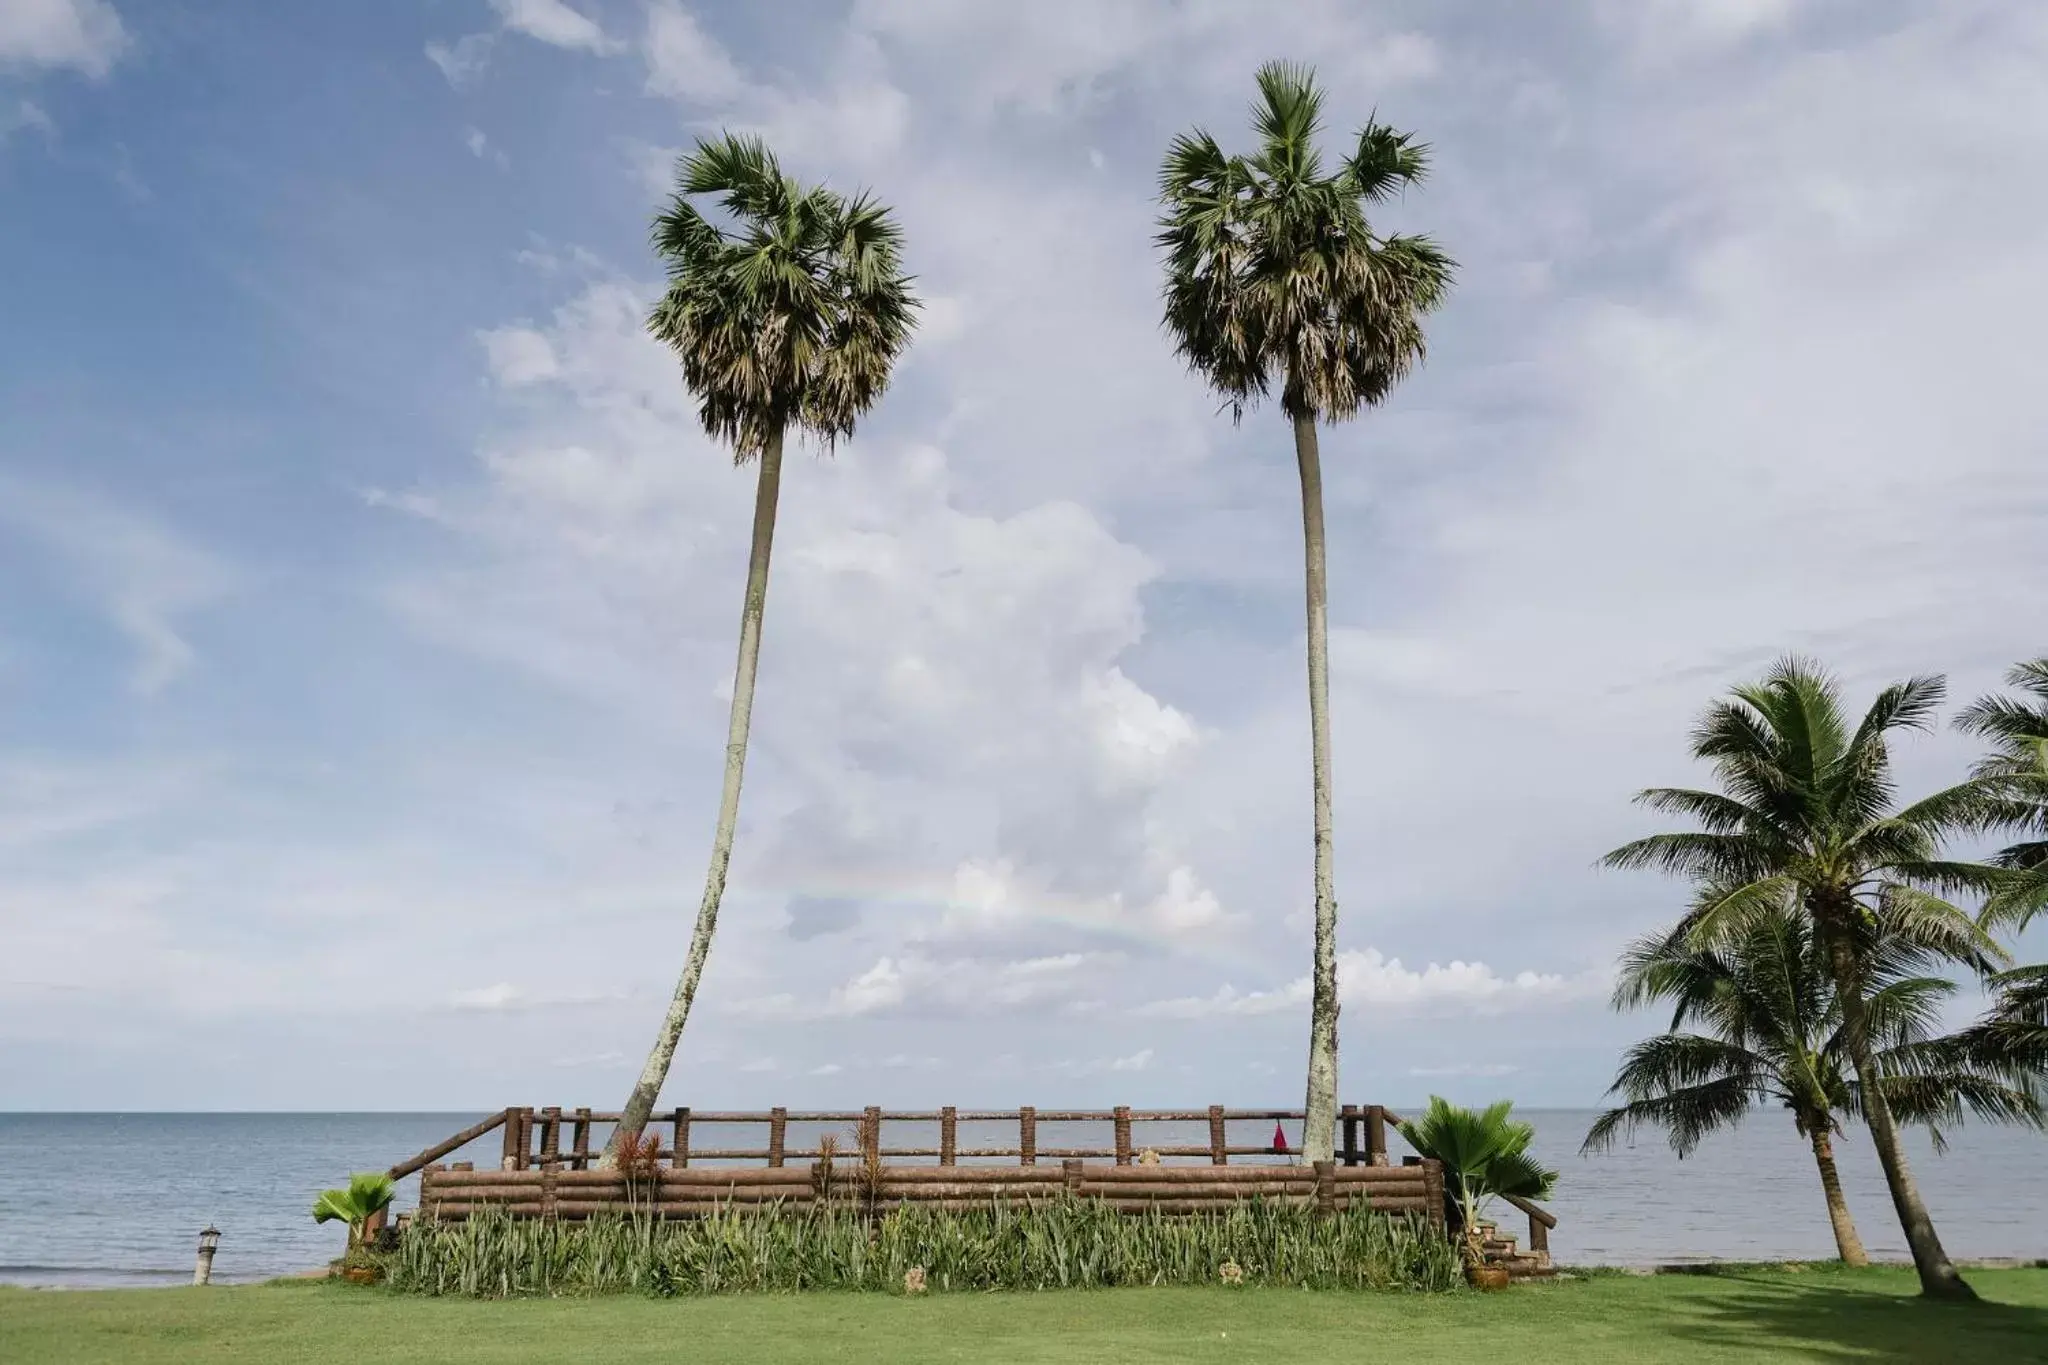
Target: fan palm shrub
{"type": "Point", "coordinates": [1485, 1156]}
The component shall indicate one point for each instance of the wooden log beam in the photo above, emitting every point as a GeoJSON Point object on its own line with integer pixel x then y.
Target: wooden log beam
{"type": "Point", "coordinates": [1219, 1141]}
{"type": "Point", "coordinates": [1027, 1136]}
{"type": "Point", "coordinates": [949, 1135]}
{"type": "Point", "coordinates": [679, 1156]}
{"type": "Point", "coordinates": [579, 1157]}
{"type": "Point", "coordinates": [1121, 1119]}
{"type": "Point", "coordinates": [778, 1131]}
{"type": "Point", "coordinates": [447, 1145]}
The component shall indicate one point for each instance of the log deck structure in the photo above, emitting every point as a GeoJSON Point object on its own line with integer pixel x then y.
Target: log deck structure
{"type": "Point", "coordinates": [548, 1167]}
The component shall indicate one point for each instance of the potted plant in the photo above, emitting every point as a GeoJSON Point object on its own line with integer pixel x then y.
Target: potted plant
{"type": "Point", "coordinates": [368, 1194]}
{"type": "Point", "coordinates": [1485, 1154]}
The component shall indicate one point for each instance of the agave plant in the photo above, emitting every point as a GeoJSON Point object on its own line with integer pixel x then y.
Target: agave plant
{"type": "Point", "coordinates": [368, 1194]}
{"type": "Point", "coordinates": [1485, 1155]}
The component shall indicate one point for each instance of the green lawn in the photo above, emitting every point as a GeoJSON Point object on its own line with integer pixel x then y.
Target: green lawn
{"type": "Point", "coordinates": [1827, 1315]}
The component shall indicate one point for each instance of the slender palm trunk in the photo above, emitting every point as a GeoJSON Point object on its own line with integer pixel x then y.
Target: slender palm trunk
{"type": "Point", "coordinates": [1847, 1244]}
{"type": "Point", "coordinates": [1939, 1278]}
{"type": "Point", "coordinates": [641, 1103]}
{"type": "Point", "coordinates": [1319, 1131]}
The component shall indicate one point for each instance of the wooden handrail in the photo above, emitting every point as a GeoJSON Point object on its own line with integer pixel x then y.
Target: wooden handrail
{"type": "Point", "coordinates": [441, 1149]}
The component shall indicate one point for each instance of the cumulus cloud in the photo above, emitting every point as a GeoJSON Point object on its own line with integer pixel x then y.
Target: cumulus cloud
{"type": "Point", "coordinates": [83, 35]}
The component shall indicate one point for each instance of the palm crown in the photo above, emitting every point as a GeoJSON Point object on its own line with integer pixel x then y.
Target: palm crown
{"type": "Point", "coordinates": [794, 312]}
{"type": "Point", "coordinates": [1806, 819]}
{"type": "Point", "coordinates": [1755, 1019]}
{"type": "Point", "coordinates": [1274, 270]}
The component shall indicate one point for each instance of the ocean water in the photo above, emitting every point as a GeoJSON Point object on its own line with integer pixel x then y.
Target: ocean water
{"type": "Point", "coordinates": [119, 1199]}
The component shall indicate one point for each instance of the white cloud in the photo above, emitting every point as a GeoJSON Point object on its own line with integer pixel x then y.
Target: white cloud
{"type": "Point", "coordinates": [85, 35]}
{"type": "Point", "coordinates": [1668, 28]}
{"type": "Point", "coordinates": [463, 61]}
{"type": "Point", "coordinates": [143, 575]}
{"type": "Point", "coordinates": [1483, 1070]}
{"type": "Point", "coordinates": [26, 114]}
{"type": "Point", "coordinates": [684, 62]}
{"type": "Point", "coordinates": [519, 356]}
{"type": "Point", "coordinates": [503, 996]}
{"type": "Point", "coordinates": [1371, 980]}
{"type": "Point", "coordinates": [552, 22]}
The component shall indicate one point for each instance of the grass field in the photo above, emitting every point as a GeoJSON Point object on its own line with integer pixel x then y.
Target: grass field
{"type": "Point", "coordinates": [1816, 1315]}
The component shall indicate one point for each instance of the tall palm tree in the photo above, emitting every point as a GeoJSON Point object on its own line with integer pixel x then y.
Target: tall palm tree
{"type": "Point", "coordinates": [789, 314]}
{"type": "Point", "coordinates": [1805, 821]}
{"type": "Point", "coordinates": [1274, 275]}
{"type": "Point", "coordinates": [1765, 1025]}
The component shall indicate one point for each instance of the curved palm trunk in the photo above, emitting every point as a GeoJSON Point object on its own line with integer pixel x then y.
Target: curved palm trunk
{"type": "Point", "coordinates": [641, 1103]}
{"type": "Point", "coordinates": [1847, 1244]}
{"type": "Point", "coordinates": [1319, 1130]}
{"type": "Point", "coordinates": [1939, 1278]}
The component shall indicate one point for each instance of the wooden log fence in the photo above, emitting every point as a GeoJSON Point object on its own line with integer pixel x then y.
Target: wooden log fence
{"type": "Point", "coordinates": [536, 1177]}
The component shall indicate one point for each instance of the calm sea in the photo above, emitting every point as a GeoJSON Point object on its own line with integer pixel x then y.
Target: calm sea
{"type": "Point", "coordinates": [119, 1199]}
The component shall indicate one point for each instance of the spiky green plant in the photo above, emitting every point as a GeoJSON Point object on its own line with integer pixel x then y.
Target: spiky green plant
{"type": "Point", "coordinates": [1049, 1244]}
{"type": "Point", "coordinates": [1485, 1155]}
{"type": "Point", "coordinates": [1276, 277]}
{"type": "Point", "coordinates": [791, 313]}
{"type": "Point", "coordinates": [368, 1194]}
{"type": "Point", "coordinates": [1755, 1020]}
{"type": "Point", "coordinates": [1806, 822]}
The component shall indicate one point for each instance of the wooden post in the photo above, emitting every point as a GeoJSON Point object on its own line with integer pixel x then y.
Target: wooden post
{"type": "Point", "coordinates": [680, 1157]}
{"type": "Point", "coordinates": [778, 1128]}
{"type": "Point", "coordinates": [871, 1135]}
{"type": "Point", "coordinates": [429, 1196]}
{"type": "Point", "coordinates": [549, 1174]}
{"type": "Point", "coordinates": [1350, 1113]}
{"type": "Point", "coordinates": [1539, 1235]}
{"type": "Point", "coordinates": [1122, 1115]}
{"type": "Point", "coordinates": [1433, 1181]}
{"type": "Point", "coordinates": [1219, 1145]}
{"type": "Point", "coordinates": [949, 1135]}
{"type": "Point", "coordinates": [1326, 1187]}
{"type": "Point", "coordinates": [1070, 1175]}
{"type": "Point", "coordinates": [550, 1136]}
{"type": "Point", "coordinates": [1027, 1136]}
{"type": "Point", "coordinates": [515, 1129]}
{"type": "Point", "coordinates": [1375, 1135]}
{"type": "Point", "coordinates": [579, 1159]}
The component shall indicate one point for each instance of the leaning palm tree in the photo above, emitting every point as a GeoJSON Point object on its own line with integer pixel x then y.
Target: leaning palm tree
{"type": "Point", "coordinates": [1274, 276]}
{"type": "Point", "coordinates": [1755, 1020]}
{"type": "Point", "coordinates": [789, 314]}
{"type": "Point", "coordinates": [1805, 819]}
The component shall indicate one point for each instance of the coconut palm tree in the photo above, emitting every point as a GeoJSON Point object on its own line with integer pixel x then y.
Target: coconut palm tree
{"type": "Point", "coordinates": [1806, 821]}
{"type": "Point", "coordinates": [790, 313]}
{"type": "Point", "coordinates": [2017, 772]}
{"type": "Point", "coordinates": [2014, 1035]}
{"type": "Point", "coordinates": [1274, 276]}
{"type": "Point", "coordinates": [1755, 1019]}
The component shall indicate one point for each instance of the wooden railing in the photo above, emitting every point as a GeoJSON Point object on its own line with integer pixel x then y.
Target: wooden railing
{"type": "Point", "coordinates": [557, 1140]}
{"type": "Point", "coordinates": [453, 1193]}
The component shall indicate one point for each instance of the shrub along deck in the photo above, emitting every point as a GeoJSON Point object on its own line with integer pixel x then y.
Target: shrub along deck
{"type": "Point", "coordinates": [1869, 1316]}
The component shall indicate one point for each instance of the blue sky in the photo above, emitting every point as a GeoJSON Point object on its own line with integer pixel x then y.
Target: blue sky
{"type": "Point", "coordinates": [367, 593]}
